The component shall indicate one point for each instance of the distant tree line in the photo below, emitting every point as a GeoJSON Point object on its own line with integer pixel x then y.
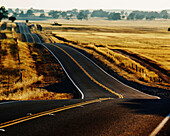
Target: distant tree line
{"type": "Point", "coordinates": [85, 14]}
{"type": "Point", "coordinates": [70, 14]}
{"type": "Point", "coordinates": [140, 15]}
{"type": "Point", "coordinates": [134, 15]}
{"type": "Point", "coordinates": [20, 13]}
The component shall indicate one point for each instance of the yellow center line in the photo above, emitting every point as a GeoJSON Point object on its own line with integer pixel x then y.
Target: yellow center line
{"type": "Point", "coordinates": [33, 116]}
{"type": "Point", "coordinates": [94, 80]}
{"type": "Point", "coordinates": [32, 38]}
{"type": "Point", "coordinates": [29, 34]}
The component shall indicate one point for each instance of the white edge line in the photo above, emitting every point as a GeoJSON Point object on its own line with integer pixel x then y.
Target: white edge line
{"type": "Point", "coordinates": [112, 76]}
{"type": "Point", "coordinates": [27, 28]}
{"type": "Point", "coordinates": [65, 72]}
{"type": "Point", "coordinates": [37, 37]}
{"type": "Point", "coordinates": [160, 126]}
{"type": "Point", "coordinates": [22, 33]}
{"type": "Point", "coordinates": [8, 102]}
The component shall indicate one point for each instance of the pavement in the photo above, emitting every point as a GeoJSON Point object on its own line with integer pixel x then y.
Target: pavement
{"type": "Point", "coordinates": [110, 117]}
{"type": "Point", "coordinates": [106, 106]}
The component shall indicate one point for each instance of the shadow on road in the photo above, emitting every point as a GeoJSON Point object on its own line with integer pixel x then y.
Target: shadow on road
{"type": "Point", "coordinates": [148, 107]}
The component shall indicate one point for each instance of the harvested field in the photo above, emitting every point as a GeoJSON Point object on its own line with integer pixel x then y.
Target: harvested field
{"type": "Point", "coordinates": [146, 43]}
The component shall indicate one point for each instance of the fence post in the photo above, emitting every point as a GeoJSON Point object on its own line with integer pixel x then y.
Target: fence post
{"type": "Point", "coordinates": [136, 68]}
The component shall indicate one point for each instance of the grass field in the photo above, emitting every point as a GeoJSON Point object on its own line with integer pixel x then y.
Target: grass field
{"type": "Point", "coordinates": [147, 39]}
{"type": "Point", "coordinates": [137, 50]}
{"type": "Point", "coordinates": [21, 76]}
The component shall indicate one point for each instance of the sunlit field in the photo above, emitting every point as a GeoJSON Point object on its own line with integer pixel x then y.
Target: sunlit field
{"type": "Point", "coordinates": [137, 50]}
{"type": "Point", "coordinates": [24, 70]}
{"type": "Point", "coordinates": [147, 39]}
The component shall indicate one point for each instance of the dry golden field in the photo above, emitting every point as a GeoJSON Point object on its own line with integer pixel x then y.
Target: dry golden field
{"type": "Point", "coordinates": [20, 74]}
{"type": "Point", "coordinates": [127, 43]}
{"type": "Point", "coordinates": [137, 50]}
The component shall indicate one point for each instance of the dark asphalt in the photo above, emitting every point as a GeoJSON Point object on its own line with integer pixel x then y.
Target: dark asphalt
{"type": "Point", "coordinates": [115, 117]}
{"type": "Point", "coordinates": [88, 87]}
{"type": "Point", "coordinates": [30, 37]}
{"type": "Point", "coordinates": [130, 117]}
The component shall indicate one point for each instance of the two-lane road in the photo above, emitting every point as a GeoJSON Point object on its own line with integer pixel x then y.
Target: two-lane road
{"type": "Point", "coordinates": [88, 116]}
{"type": "Point", "coordinates": [110, 117]}
{"type": "Point", "coordinates": [30, 37]}
{"type": "Point", "coordinates": [90, 78]}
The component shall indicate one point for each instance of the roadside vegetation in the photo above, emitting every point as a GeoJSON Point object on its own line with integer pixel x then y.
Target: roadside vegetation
{"type": "Point", "coordinates": [133, 44]}
{"type": "Point", "coordinates": [25, 71]}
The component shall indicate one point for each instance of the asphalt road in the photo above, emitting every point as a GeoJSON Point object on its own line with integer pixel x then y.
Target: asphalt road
{"type": "Point", "coordinates": [90, 88]}
{"type": "Point", "coordinates": [90, 80]}
{"type": "Point", "coordinates": [113, 117]}
{"type": "Point", "coordinates": [30, 37]}
{"type": "Point", "coordinates": [138, 115]}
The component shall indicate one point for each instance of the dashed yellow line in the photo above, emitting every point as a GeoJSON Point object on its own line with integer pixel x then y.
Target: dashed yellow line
{"type": "Point", "coordinates": [94, 80]}
{"type": "Point", "coordinates": [33, 116]}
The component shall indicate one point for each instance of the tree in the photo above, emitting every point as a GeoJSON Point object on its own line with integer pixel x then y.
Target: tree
{"type": "Point", "coordinates": [73, 12]}
{"type": "Point", "coordinates": [82, 15]}
{"type": "Point", "coordinates": [164, 14]}
{"type": "Point", "coordinates": [150, 17]}
{"type": "Point", "coordinates": [41, 11]}
{"type": "Point", "coordinates": [131, 16]}
{"type": "Point", "coordinates": [114, 16]}
{"type": "Point", "coordinates": [17, 10]}
{"type": "Point", "coordinates": [10, 10]}
{"type": "Point", "coordinates": [99, 13]}
{"type": "Point", "coordinates": [54, 14]}
{"type": "Point", "coordinates": [85, 11]}
{"type": "Point", "coordinates": [29, 12]}
{"type": "Point", "coordinates": [64, 14]}
{"type": "Point", "coordinates": [139, 17]}
{"type": "Point", "coordinates": [22, 14]}
{"type": "Point", "coordinates": [15, 14]}
{"type": "Point", "coordinates": [12, 18]}
{"type": "Point", "coordinates": [3, 13]}
{"type": "Point", "coordinates": [42, 15]}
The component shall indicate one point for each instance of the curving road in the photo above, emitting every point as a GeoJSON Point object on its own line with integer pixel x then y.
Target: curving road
{"type": "Point", "coordinates": [89, 116]}
{"type": "Point", "coordinates": [90, 79]}
{"type": "Point", "coordinates": [30, 37]}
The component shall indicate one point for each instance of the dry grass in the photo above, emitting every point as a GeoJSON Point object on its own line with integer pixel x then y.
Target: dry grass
{"type": "Point", "coordinates": [149, 39]}
{"type": "Point", "coordinates": [34, 94]}
{"type": "Point", "coordinates": [154, 46]}
{"type": "Point", "coordinates": [21, 75]}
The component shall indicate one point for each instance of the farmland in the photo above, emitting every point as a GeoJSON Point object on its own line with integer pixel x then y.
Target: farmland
{"type": "Point", "coordinates": [136, 50]}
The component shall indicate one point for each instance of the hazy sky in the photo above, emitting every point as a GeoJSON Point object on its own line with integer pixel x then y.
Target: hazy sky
{"type": "Point", "coordinates": [88, 4]}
